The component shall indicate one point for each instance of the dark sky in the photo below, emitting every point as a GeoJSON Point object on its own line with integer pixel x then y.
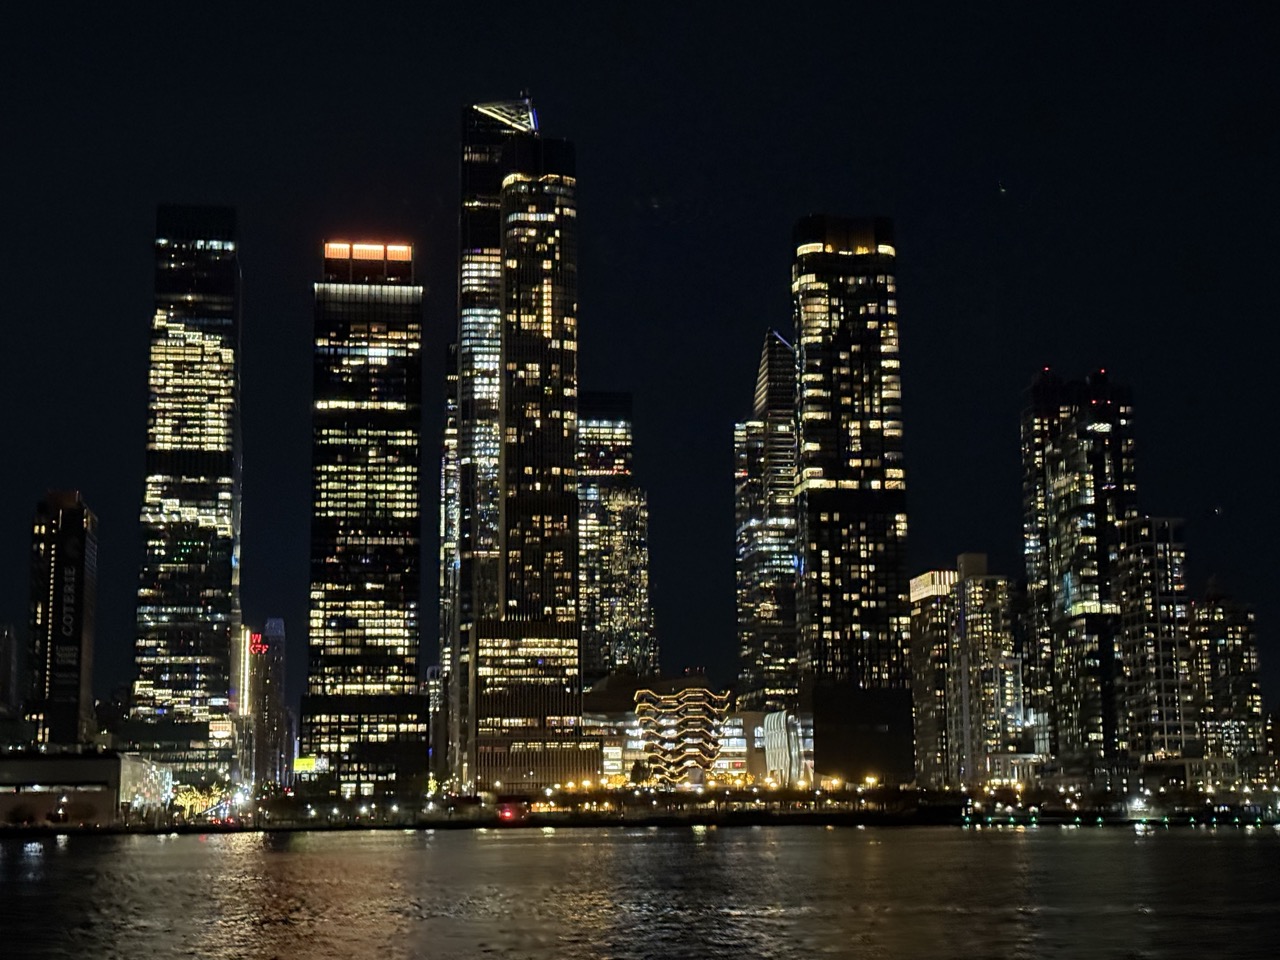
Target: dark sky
{"type": "Point", "coordinates": [1099, 188]}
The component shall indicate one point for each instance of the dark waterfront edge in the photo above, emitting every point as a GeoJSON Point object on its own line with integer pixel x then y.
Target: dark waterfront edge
{"type": "Point", "coordinates": [660, 821]}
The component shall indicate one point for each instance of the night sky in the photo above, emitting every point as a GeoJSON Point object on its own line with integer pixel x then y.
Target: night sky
{"type": "Point", "coordinates": [1093, 189]}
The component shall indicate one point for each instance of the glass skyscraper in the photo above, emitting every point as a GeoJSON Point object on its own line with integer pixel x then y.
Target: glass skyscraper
{"type": "Point", "coordinates": [528, 692]}
{"type": "Point", "coordinates": [1078, 487]}
{"type": "Point", "coordinates": [470, 524]}
{"type": "Point", "coordinates": [765, 521]}
{"type": "Point", "coordinates": [852, 596]}
{"type": "Point", "coordinates": [364, 722]}
{"type": "Point", "coordinates": [613, 544]}
{"type": "Point", "coordinates": [189, 583]}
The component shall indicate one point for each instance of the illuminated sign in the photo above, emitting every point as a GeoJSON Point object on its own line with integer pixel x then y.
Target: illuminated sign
{"type": "Point", "coordinates": [257, 644]}
{"type": "Point", "coordinates": [304, 764]}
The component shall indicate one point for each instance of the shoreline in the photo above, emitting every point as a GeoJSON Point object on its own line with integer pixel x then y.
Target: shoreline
{"type": "Point", "coordinates": [665, 822]}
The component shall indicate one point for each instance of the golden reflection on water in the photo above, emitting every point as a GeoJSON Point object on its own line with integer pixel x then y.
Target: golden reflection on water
{"type": "Point", "coordinates": [573, 894]}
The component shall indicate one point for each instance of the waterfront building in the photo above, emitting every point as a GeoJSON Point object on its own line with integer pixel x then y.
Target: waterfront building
{"type": "Point", "coordinates": [788, 749]}
{"type": "Point", "coordinates": [852, 596]}
{"type": "Point", "coordinates": [933, 612]}
{"type": "Point", "coordinates": [64, 598]}
{"type": "Point", "coordinates": [364, 722]}
{"type": "Point", "coordinates": [681, 722]}
{"type": "Point", "coordinates": [613, 545]}
{"type": "Point", "coordinates": [742, 759]}
{"type": "Point", "coordinates": [1078, 486]}
{"type": "Point", "coordinates": [189, 582]}
{"type": "Point", "coordinates": [765, 522]}
{"type": "Point", "coordinates": [470, 512]}
{"type": "Point", "coordinates": [264, 744]}
{"type": "Point", "coordinates": [1160, 708]}
{"type": "Point", "coordinates": [519, 719]}
{"type": "Point", "coordinates": [985, 710]}
{"type": "Point", "coordinates": [1225, 640]}
{"type": "Point", "coordinates": [107, 789]}
{"type": "Point", "coordinates": [609, 716]}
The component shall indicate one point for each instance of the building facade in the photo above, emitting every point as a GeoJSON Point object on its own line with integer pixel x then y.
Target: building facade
{"type": "Point", "coordinates": [985, 709]}
{"type": "Point", "coordinates": [1225, 639]}
{"type": "Point", "coordinates": [1159, 701]}
{"type": "Point", "coordinates": [189, 583]}
{"type": "Point", "coordinates": [524, 723]}
{"type": "Point", "coordinates": [1078, 487]}
{"type": "Point", "coordinates": [852, 594]}
{"type": "Point", "coordinates": [64, 597]}
{"type": "Point", "coordinates": [364, 721]}
{"type": "Point", "coordinates": [765, 527]}
{"type": "Point", "coordinates": [933, 614]}
{"type": "Point", "coordinates": [613, 545]}
{"type": "Point", "coordinates": [471, 487]}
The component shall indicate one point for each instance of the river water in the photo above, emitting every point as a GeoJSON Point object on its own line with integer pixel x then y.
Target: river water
{"type": "Point", "coordinates": [777, 892]}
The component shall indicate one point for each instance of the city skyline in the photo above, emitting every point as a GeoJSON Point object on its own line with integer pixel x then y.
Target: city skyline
{"type": "Point", "coordinates": [942, 389]}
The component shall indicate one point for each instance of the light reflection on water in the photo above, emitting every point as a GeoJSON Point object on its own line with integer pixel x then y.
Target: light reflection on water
{"type": "Point", "coordinates": [571, 894]}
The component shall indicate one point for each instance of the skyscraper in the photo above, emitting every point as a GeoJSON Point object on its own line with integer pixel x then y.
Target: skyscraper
{"type": "Point", "coordinates": [852, 606]}
{"type": "Point", "coordinates": [471, 502]}
{"type": "Point", "coordinates": [64, 596]}
{"type": "Point", "coordinates": [521, 728]}
{"type": "Point", "coordinates": [984, 677]}
{"type": "Point", "coordinates": [1160, 708]}
{"type": "Point", "coordinates": [189, 582]}
{"type": "Point", "coordinates": [273, 749]}
{"type": "Point", "coordinates": [1078, 485]}
{"type": "Point", "coordinates": [1225, 637]}
{"type": "Point", "coordinates": [765, 520]}
{"type": "Point", "coordinates": [613, 544]}
{"type": "Point", "coordinates": [933, 613]}
{"type": "Point", "coordinates": [364, 723]}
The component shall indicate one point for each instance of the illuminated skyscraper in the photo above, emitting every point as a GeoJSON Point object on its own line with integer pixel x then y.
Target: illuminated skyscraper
{"type": "Point", "coordinates": [765, 515]}
{"type": "Point", "coordinates": [933, 612]}
{"type": "Point", "coordinates": [189, 583]}
{"type": "Point", "coordinates": [64, 596]}
{"type": "Point", "coordinates": [1078, 486]}
{"type": "Point", "coordinates": [1224, 633]}
{"type": "Point", "coordinates": [613, 544]}
{"type": "Point", "coordinates": [522, 727]}
{"type": "Point", "coordinates": [852, 606]}
{"type": "Point", "coordinates": [470, 509]}
{"type": "Point", "coordinates": [985, 711]}
{"type": "Point", "coordinates": [364, 722]}
{"type": "Point", "coordinates": [1160, 709]}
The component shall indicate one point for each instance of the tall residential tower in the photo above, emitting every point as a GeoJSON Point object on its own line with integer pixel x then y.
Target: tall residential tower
{"type": "Point", "coordinates": [1078, 487]}
{"type": "Point", "coordinates": [852, 597]}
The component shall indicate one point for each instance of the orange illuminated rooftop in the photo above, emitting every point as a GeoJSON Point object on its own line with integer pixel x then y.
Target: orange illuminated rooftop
{"type": "Point", "coordinates": [343, 250]}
